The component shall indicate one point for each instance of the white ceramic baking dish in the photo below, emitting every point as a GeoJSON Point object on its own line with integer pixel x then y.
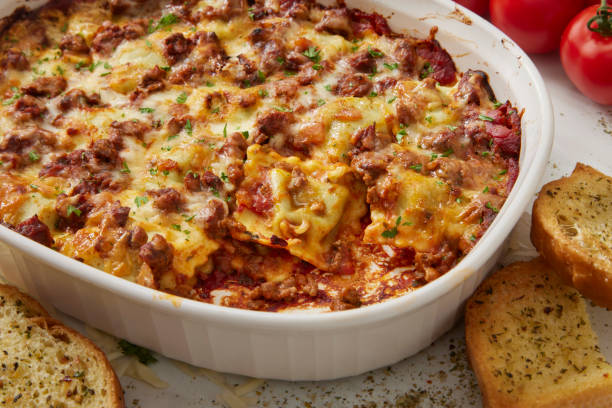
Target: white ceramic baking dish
{"type": "Point", "coordinates": [314, 346]}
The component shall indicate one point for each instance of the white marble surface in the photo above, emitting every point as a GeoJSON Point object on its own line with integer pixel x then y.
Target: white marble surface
{"type": "Point", "coordinates": [438, 376]}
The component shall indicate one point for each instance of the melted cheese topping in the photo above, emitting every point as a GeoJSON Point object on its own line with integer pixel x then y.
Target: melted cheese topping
{"type": "Point", "coordinates": [364, 149]}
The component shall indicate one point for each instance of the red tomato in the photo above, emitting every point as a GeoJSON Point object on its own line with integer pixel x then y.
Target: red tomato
{"type": "Point", "coordinates": [587, 58]}
{"type": "Point", "coordinates": [477, 6]}
{"type": "Point", "coordinates": [535, 25]}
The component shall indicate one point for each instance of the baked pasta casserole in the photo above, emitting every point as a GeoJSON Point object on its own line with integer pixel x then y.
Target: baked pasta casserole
{"type": "Point", "coordinates": [261, 154]}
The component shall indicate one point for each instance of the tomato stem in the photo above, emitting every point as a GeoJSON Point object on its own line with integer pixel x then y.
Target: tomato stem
{"type": "Point", "coordinates": [601, 22]}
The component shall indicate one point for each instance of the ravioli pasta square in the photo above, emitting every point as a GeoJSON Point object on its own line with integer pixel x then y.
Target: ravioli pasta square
{"type": "Point", "coordinates": [298, 205]}
{"type": "Point", "coordinates": [424, 215]}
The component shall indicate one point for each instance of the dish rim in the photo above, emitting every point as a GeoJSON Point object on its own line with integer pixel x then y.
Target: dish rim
{"type": "Point", "coordinates": [305, 320]}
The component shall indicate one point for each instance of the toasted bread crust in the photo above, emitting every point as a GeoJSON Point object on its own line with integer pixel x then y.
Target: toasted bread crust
{"type": "Point", "coordinates": [524, 344]}
{"type": "Point", "coordinates": [32, 304]}
{"type": "Point", "coordinates": [39, 316]}
{"type": "Point", "coordinates": [115, 393]}
{"type": "Point", "coordinates": [576, 266]}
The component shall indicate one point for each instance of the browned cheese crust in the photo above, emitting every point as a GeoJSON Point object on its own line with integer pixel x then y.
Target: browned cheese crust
{"type": "Point", "coordinates": [267, 155]}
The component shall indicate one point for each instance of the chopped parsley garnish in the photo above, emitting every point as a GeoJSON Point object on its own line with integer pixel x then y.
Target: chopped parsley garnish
{"type": "Point", "coordinates": [59, 70]}
{"type": "Point", "coordinates": [289, 73]}
{"type": "Point", "coordinates": [472, 237]}
{"type": "Point", "coordinates": [164, 22]}
{"type": "Point", "coordinates": [320, 102]}
{"type": "Point", "coordinates": [12, 99]}
{"type": "Point", "coordinates": [176, 227]}
{"type": "Point", "coordinates": [147, 110]}
{"type": "Point", "coordinates": [486, 189]}
{"type": "Point", "coordinates": [485, 154]}
{"type": "Point", "coordinates": [447, 153]}
{"type": "Point", "coordinates": [392, 232]}
{"type": "Point", "coordinates": [392, 99]}
{"type": "Point", "coordinates": [182, 98]}
{"type": "Point", "coordinates": [501, 173]}
{"type": "Point", "coordinates": [317, 67]}
{"type": "Point", "coordinates": [166, 68]}
{"type": "Point", "coordinates": [214, 191]}
{"type": "Point", "coordinates": [374, 72]}
{"type": "Point", "coordinates": [125, 168]}
{"type": "Point", "coordinates": [374, 53]}
{"type": "Point", "coordinates": [282, 109]}
{"type": "Point", "coordinates": [250, 13]}
{"type": "Point", "coordinates": [426, 71]}
{"type": "Point", "coordinates": [433, 157]}
{"type": "Point", "coordinates": [451, 128]}
{"type": "Point", "coordinates": [497, 104]}
{"type": "Point", "coordinates": [313, 53]}
{"type": "Point", "coordinates": [171, 137]}
{"type": "Point", "coordinates": [391, 67]}
{"type": "Point", "coordinates": [153, 171]}
{"type": "Point", "coordinates": [262, 92]}
{"type": "Point", "coordinates": [148, 44]}
{"type": "Point", "coordinates": [225, 131]}
{"type": "Point", "coordinates": [188, 128]}
{"type": "Point", "coordinates": [210, 84]}
{"type": "Point", "coordinates": [34, 157]}
{"type": "Point", "coordinates": [246, 134]}
{"type": "Point", "coordinates": [261, 76]}
{"type": "Point", "coordinates": [280, 60]}
{"type": "Point", "coordinates": [188, 217]}
{"type": "Point", "coordinates": [224, 177]}
{"type": "Point", "coordinates": [37, 72]}
{"type": "Point", "coordinates": [215, 110]}
{"type": "Point", "coordinates": [373, 94]}
{"type": "Point", "coordinates": [108, 66]}
{"type": "Point", "coordinates": [73, 210]}
{"type": "Point", "coordinates": [400, 135]}
{"type": "Point", "coordinates": [485, 117]}
{"type": "Point", "coordinates": [328, 87]}
{"type": "Point", "coordinates": [416, 167]}
{"type": "Point", "coordinates": [165, 172]}
{"type": "Point", "coordinates": [141, 200]}
{"type": "Point", "coordinates": [490, 207]}
{"type": "Point", "coordinates": [145, 356]}
{"type": "Point", "coordinates": [428, 119]}
{"type": "Point", "coordinates": [92, 67]}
